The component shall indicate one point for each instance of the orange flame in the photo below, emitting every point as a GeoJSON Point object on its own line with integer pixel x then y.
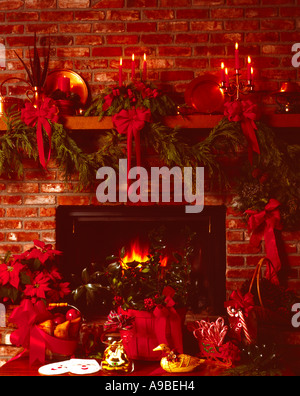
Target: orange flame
{"type": "Point", "coordinates": [136, 253]}
{"type": "Point", "coordinates": [140, 255]}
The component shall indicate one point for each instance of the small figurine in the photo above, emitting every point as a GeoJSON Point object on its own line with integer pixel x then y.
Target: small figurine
{"type": "Point", "coordinates": [116, 359]}
{"type": "Point", "coordinates": [177, 363]}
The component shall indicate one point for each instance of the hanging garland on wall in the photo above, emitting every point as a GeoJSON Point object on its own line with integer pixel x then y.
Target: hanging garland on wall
{"type": "Point", "coordinates": [271, 173]}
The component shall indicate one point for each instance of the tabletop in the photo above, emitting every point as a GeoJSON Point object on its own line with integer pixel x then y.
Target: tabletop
{"type": "Point", "coordinates": [21, 367]}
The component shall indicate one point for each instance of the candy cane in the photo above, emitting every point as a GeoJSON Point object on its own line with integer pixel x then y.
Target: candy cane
{"type": "Point", "coordinates": [233, 313]}
{"type": "Point", "coordinates": [247, 334]}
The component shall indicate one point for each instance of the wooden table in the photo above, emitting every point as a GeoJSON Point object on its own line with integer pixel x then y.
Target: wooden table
{"type": "Point", "coordinates": [21, 367]}
{"type": "Point", "coordinates": [151, 371]}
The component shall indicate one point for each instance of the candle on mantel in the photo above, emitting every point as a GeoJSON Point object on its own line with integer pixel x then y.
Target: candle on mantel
{"type": "Point", "coordinates": [226, 78]}
{"type": "Point", "coordinates": [145, 68]}
{"type": "Point", "coordinates": [222, 72]}
{"type": "Point", "coordinates": [133, 68]}
{"type": "Point", "coordinates": [237, 60]}
{"type": "Point", "coordinates": [63, 84]}
{"type": "Point", "coordinates": [252, 72]}
{"type": "Point", "coordinates": [249, 69]}
{"type": "Point", "coordinates": [120, 73]}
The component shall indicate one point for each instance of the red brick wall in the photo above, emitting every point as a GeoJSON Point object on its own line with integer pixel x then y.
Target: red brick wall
{"type": "Point", "coordinates": [183, 38]}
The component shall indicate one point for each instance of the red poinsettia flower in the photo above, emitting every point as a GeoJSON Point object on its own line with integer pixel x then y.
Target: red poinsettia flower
{"type": "Point", "coordinates": [9, 273]}
{"type": "Point", "coordinates": [54, 275]}
{"type": "Point", "coordinates": [59, 291]}
{"type": "Point", "coordinates": [39, 286]}
{"type": "Point", "coordinates": [40, 251]}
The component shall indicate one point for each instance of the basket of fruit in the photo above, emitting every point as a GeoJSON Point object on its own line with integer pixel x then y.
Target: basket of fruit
{"type": "Point", "coordinates": [42, 329]}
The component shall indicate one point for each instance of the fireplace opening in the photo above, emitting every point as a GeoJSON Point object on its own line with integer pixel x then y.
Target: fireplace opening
{"type": "Point", "coordinates": [90, 234]}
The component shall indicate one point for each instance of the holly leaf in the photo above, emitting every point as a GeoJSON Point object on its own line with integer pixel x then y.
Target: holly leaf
{"type": "Point", "coordinates": [85, 276]}
{"type": "Point", "coordinates": [79, 292]}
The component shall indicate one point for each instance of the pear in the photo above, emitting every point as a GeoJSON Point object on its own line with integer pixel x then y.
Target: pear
{"type": "Point", "coordinates": [62, 330]}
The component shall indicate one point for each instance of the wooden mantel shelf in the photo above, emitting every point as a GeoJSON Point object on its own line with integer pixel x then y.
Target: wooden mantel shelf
{"type": "Point", "coordinates": [80, 123]}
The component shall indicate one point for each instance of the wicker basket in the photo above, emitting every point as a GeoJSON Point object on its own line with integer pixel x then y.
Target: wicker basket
{"type": "Point", "coordinates": [143, 338]}
{"type": "Point", "coordinates": [263, 312]}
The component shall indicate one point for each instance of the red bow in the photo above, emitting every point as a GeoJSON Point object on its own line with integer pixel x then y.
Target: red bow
{"type": "Point", "coordinates": [239, 302]}
{"type": "Point", "coordinates": [40, 117]}
{"type": "Point", "coordinates": [262, 224]}
{"type": "Point", "coordinates": [28, 335]}
{"type": "Point", "coordinates": [238, 308]}
{"type": "Point", "coordinates": [246, 113]}
{"type": "Point", "coordinates": [130, 123]}
{"type": "Point", "coordinates": [165, 315]}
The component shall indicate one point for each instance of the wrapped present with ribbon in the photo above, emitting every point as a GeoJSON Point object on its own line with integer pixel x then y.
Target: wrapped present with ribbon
{"type": "Point", "coordinates": [34, 338]}
{"type": "Point", "coordinates": [162, 326]}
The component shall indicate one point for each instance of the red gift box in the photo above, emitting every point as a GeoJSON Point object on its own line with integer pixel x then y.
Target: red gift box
{"type": "Point", "coordinates": [163, 326]}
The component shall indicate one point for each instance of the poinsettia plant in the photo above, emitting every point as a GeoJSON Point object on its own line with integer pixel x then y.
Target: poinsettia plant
{"type": "Point", "coordinates": [33, 275]}
{"type": "Point", "coordinates": [161, 280]}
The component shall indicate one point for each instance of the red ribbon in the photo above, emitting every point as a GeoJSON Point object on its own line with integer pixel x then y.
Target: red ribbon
{"type": "Point", "coordinates": [239, 302]}
{"type": "Point", "coordinates": [262, 225]}
{"type": "Point", "coordinates": [28, 335]}
{"type": "Point", "coordinates": [246, 113]}
{"type": "Point", "coordinates": [40, 117]}
{"type": "Point", "coordinates": [130, 123]}
{"type": "Point", "coordinates": [168, 316]}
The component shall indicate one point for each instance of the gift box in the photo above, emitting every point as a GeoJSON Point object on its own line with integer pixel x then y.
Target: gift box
{"type": "Point", "coordinates": [150, 329]}
{"type": "Point", "coordinates": [27, 317]}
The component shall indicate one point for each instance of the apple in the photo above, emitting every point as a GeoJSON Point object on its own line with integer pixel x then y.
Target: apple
{"type": "Point", "coordinates": [59, 318]}
{"type": "Point", "coordinates": [72, 314]}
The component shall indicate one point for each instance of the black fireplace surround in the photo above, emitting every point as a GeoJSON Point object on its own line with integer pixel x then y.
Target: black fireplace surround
{"type": "Point", "coordinates": [89, 234]}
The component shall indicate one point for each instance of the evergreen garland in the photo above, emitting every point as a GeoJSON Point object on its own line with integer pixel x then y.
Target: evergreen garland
{"type": "Point", "coordinates": [274, 174]}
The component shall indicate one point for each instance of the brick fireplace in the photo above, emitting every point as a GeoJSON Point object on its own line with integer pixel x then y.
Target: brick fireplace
{"type": "Point", "coordinates": [28, 211]}
{"type": "Point", "coordinates": [183, 39]}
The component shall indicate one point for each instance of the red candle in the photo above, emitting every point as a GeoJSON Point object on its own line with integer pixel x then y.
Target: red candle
{"type": "Point", "coordinates": [252, 72]}
{"type": "Point", "coordinates": [133, 68]}
{"type": "Point", "coordinates": [145, 68]}
{"type": "Point", "coordinates": [222, 72]}
{"type": "Point", "coordinates": [63, 83]}
{"type": "Point", "coordinates": [237, 61]}
{"type": "Point", "coordinates": [226, 77]}
{"type": "Point", "coordinates": [120, 73]}
{"type": "Point", "coordinates": [249, 69]}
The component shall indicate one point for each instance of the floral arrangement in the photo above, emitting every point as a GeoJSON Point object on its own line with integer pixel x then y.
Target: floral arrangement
{"type": "Point", "coordinates": [136, 95]}
{"type": "Point", "coordinates": [32, 275]}
{"type": "Point", "coordinates": [154, 283]}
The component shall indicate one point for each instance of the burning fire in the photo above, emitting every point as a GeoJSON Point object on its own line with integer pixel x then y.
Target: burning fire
{"type": "Point", "coordinates": [139, 254]}
{"type": "Point", "coordinates": [136, 253]}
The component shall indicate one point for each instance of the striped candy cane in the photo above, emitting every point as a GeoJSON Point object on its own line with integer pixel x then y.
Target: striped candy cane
{"type": "Point", "coordinates": [233, 313]}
